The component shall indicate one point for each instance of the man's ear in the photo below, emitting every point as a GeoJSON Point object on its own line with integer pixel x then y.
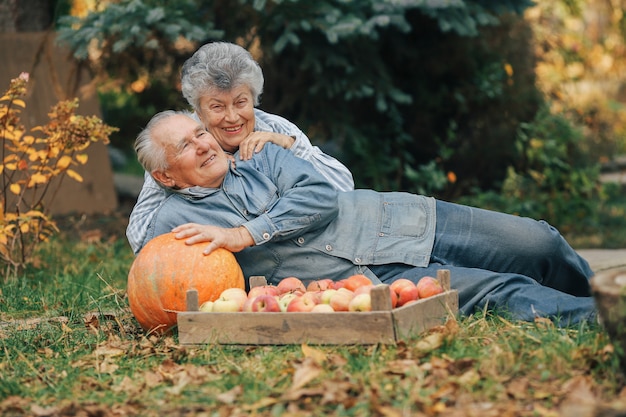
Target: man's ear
{"type": "Point", "coordinates": [163, 178]}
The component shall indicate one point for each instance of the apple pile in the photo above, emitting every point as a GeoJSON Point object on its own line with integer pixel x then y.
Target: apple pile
{"type": "Point", "coordinates": [323, 295]}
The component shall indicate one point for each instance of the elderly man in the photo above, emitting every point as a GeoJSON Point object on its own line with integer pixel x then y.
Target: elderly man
{"type": "Point", "coordinates": [282, 218]}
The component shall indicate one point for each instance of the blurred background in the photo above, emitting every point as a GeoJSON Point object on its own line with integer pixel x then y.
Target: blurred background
{"type": "Point", "coordinates": [509, 105]}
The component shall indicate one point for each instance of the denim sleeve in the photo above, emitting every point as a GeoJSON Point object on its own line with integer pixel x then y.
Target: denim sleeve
{"type": "Point", "coordinates": [305, 200]}
{"type": "Point", "coordinates": [334, 171]}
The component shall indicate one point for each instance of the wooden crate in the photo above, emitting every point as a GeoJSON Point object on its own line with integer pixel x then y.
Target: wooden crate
{"type": "Point", "coordinates": [381, 325]}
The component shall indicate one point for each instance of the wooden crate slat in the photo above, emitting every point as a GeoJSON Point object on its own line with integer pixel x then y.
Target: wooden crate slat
{"type": "Point", "coordinates": [286, 328]}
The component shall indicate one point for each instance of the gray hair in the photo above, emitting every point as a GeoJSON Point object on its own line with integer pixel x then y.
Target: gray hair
{"type": "Point", "coordinates": [151, 156]}
{"type": "Point", "coordinates": [222, 66]}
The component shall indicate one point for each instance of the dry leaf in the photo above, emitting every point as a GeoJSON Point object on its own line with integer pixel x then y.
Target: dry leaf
{"type": "Point", "coordinates": [230, 396]}
{"type": "Point", "coordinates": [316, 355]}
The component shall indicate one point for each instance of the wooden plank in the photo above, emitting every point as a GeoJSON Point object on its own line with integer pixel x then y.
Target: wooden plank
{"type": "Point", "coordinates": [415, 318]}
{"type": "Point", "coordinates": [338, 328]}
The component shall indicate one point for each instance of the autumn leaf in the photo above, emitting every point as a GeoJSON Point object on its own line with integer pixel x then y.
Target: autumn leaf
{"type": "Point", "coordinates": [316, 355]}
{"type": "Point", "coordinates": [74, 175]}
{"type": "Point", "coordinates": [82, 158]}
{"type": "Point", "coordinates": [35, 179]}
{"type": "Point", "coordinates": [64, 162]}
{"type": "Point", "coordinates": [15, 188]}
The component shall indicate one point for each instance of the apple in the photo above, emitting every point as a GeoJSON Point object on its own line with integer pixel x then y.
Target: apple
{"type": "Point", "coordinates": [339, 284]}
{"type": "Point", "coordinates": [340, 300]}
{"type": "Point", "coordinates": [361, 302]}
{"type": "Point", "coordinates": [322, 308]}
{"type": "Point", "coordinates": [405, 290]}
{"type": "Point", "coordinates": [207, 306]}
{"type": "Point", "coordinates": [320, 284]}
{"type": "Point", "coordinates": [326, 295]}
{"type": "Point", "coordinates": [230, 300]}
{"type": "Point", "coordinates": [364, 289]}
{"type": "Point", "coordinates": [262, 290]}
{"type": "Point", "coordinates": [355, 281]}
{"type": "Point", "coordinates": [428, 286]}
{"type": "Point", "coordinates": [285, 299]}
{"type": "Point", "coordinates": [301, 303]}
{"type": "Point", "coordinates": [265, 303]}
{"type": "Point", "coordinates": [291, 284]}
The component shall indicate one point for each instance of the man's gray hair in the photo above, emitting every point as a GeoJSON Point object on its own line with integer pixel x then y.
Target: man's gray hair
{"type": "Point", "coordinates": [220, 66]}
{"type": "Point", "coordinates": [151, 156]}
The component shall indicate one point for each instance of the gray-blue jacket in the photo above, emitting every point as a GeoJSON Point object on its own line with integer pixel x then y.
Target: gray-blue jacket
{"type": "Point", "coordinates": [300, 224]}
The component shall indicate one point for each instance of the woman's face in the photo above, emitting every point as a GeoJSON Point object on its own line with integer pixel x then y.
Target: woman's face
{"type": "Point", "coordinates": [228, 115]}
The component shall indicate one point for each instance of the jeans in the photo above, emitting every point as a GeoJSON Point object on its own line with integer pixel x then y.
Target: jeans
{"type": "Point", "coordinates": [506, 263]}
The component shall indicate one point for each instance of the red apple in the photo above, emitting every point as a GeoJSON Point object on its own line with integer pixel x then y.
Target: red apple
{"type": "Point", "coordinates": [428, 286]}
{"type": "Point", "coordinates": [355, 281]}
{"type": "Point", "coordinates": [291, 284]}
{"type": "Point", "coordinates": [364, 289]}
{"type": "Point", "coordinates": [265, 303]}
{"type": "Point", "coordinates": [301, 303]}
{"type": "Point", "coordinates": [405, 289]}
{"type": "Point", "coordinates": [339, 284]}
{"type": "Point", "coordinates": [340, 300]}
{"type": "Point", "coordinates": [262, 290]}
{"type": "Point", "coordinates": [230, 300]}
{"type": "Point", "coordinates": [320, 284]}
{"type": "Point", "coordinates": [361, 302]}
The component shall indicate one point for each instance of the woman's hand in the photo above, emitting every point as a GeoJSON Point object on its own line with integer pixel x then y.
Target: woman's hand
{"type": "Point", "coordinates": [256, 140]}
{"type": "Point", "coordinates": [232, 239]}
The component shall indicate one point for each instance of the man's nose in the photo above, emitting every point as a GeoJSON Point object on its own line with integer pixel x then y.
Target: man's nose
{"type": "Point", "coordinates": [202, 145]}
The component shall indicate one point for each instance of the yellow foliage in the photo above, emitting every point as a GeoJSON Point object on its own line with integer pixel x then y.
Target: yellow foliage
{"type": "Point", "coordinates": [30, 162]}
{"type": "Point", "coordinates": [581, 55]}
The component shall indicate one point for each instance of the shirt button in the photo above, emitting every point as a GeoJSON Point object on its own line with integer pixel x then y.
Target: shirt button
{"type": "Point", "coordinates": [381, 234]}
{"type": "Point", "coordinates": [300, 240]}
{"type": "Point", "coordinates": [245, 212]}
{"type": "Point", "coordinates": [266, 236]}
{"type": "Point", "coordinates": [329, 248]}
{"type": "Point", "coordinates": [357, 260]}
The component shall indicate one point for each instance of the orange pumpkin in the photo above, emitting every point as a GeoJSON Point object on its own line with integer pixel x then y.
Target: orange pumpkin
{"type": "Point", "coordinates": [166, 268]}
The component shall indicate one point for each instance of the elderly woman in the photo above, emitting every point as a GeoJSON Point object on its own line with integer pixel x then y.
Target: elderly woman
{"type": "Point", "coordinates": [223, 84]}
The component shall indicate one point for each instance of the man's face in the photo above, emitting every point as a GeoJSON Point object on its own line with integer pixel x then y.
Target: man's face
{"type": "Point", "coordinates": [229, 116]}
{"type": "Point", "coordinates": [193, 155]}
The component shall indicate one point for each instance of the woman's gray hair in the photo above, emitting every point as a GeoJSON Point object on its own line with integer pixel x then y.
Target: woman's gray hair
{"type": "Point", "coordinates": [220, 66]}
{"type": "Point", "coordinates": [151, 156]}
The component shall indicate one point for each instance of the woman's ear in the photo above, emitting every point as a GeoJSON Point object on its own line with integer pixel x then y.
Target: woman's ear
{"type": "Point", "coordinates": [164, 178]}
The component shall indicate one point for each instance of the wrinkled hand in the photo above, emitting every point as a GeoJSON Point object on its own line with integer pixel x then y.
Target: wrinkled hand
{"type": "Point", "coordinates": [256, 140]}
{"type": "Point", "coordinates": [232, 239]}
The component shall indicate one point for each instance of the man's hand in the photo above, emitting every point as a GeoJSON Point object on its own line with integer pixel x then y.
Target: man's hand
{"type": "Point", "coordinates": [256, 140]}
{"type": "Point", "coordinates": [232, 239]}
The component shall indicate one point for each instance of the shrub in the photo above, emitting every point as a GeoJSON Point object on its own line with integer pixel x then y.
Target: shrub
{"type": "Point", "coordinates": [30, 162]}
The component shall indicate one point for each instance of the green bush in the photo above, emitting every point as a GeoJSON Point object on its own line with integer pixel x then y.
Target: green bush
{"type": "Point", "coordinates": [553, 179]}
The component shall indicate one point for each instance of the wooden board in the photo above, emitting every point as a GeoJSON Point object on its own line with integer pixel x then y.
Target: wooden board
{"type": "Point", "coordinates": [382, 325]}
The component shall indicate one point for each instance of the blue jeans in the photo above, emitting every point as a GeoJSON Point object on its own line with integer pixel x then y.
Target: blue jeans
{"type": "Point", "coordinates": [506, 263]}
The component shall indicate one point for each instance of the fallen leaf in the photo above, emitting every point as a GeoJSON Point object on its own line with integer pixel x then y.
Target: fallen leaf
{"type": "Point", "coordinates": [230, 396]}
{"type": "Point", "coordinates": [317, 355]}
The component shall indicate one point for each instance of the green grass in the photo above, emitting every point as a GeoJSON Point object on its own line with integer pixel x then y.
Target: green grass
{"type": "Point", "coordinates": [68, 363]}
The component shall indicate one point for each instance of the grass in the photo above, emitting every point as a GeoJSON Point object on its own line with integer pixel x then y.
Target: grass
{"type": "Point", "coordinates": [69, 346]}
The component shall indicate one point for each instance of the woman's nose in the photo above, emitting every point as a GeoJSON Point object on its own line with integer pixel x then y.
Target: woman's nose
{"type": "Point", "coordinates": [230, 113]}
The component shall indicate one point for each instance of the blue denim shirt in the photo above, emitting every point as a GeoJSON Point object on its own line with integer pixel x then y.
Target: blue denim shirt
{"type": "Point", "coordinates": [300, 224]}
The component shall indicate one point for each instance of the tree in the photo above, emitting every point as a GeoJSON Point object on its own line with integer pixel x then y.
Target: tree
{"type": "Point", "coordinates": [412, 95]}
